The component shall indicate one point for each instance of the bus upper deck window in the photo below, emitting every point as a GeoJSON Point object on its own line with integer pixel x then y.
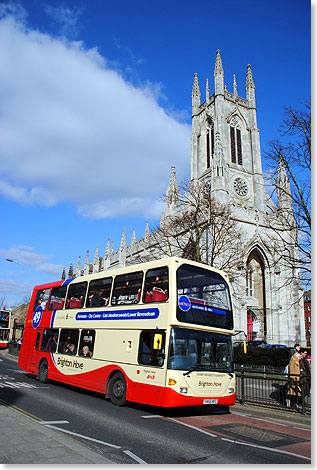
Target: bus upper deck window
{"type": "Point", "coordinates": [41, 299]}
{"type": "Point", "coordinates": [76, 295]}
{"type": "Point", "coordinates": [156, 285]}
{"type": "Point", "coordinates": [127, 288]}
{"type": "Point", "coordinates": [57, 299]}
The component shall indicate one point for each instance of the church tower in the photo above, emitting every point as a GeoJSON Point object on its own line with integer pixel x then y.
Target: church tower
{"type": "Point", "coordinates": [225, 144]}
{"type": "Point", "coordinates": [226, 152]}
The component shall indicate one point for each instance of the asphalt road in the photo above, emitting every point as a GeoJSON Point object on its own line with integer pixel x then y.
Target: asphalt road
{"type": "Point", "coordinates": [142, 434]}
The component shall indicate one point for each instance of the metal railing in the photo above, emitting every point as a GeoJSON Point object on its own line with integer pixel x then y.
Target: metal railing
{"type": "Point", "coordinates": [265, 387]}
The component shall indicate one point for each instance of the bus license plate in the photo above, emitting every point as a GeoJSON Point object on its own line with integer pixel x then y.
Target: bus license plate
{"type": "Point", "coordinates": [208, 401]}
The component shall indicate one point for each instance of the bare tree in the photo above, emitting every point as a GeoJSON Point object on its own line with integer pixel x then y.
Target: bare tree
{"type": "Point", "coordinates": [292, 154]}
{"type": "Point", "coordinates": [203, 229]}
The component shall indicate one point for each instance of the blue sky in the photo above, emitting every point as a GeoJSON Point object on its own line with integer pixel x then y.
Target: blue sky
{"type": "Point", "coordinates": [96, 108]}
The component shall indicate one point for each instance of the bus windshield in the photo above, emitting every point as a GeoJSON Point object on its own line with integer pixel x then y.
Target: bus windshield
{"type": "Point", "coordinates": [200, 350]}
{"type": "Point", "coordinates": [203, 298]}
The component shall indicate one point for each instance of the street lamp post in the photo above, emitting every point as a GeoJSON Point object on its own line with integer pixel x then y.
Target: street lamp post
{"type": "Point", "coordinates": [10, 260]}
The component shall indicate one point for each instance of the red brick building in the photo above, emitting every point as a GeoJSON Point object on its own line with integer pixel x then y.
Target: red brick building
{"type": "Point", "coordinates": [307, 312]}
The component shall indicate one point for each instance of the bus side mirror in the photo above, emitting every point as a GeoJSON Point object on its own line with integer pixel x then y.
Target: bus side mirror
{"type": "Point", "coordinates": [157, 341]}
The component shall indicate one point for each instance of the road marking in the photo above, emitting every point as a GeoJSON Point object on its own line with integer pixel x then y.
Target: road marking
{"type": "Point", "coordinates": [271, 422]}
{"type": "Point", "coordinates": [261, 419]}
{"type": "Point", "coordinates": [54, 422]}
{"type": "Point", "coordinates": [83, 437]}
{"type": "Point", "coordinates": [193, 427]}
{"type": "Point", "coordinates": [19, 410]}
{"type": "Point", "coordinates": [151, 416]}
{"type": "Point", "coordinates": [279, 451]}
{"type": "Point", "coordinates": [97, 441]}
{"type": "Point", "coordinates": [134, 457]}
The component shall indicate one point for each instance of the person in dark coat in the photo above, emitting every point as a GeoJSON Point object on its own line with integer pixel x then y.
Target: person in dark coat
{"type": "Point", "coordinates": [305, 372]}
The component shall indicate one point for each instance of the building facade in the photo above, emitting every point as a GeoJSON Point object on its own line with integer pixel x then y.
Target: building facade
{"type": "Point", "coordinates": [226, 153]}
{"type": "Point", "coordinates": [307, 310]}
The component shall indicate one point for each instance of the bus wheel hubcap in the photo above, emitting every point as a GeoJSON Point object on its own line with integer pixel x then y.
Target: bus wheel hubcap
{"type": "Point", "coordinates": [118, 389]}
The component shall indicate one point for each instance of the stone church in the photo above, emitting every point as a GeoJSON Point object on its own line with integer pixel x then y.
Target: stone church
{"type": "Point", "coordinates": [225, 152]}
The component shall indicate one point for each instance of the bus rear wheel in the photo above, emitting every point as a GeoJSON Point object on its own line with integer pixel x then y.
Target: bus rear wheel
{"type": "Point", "coordinates": [43, 372]}
{"type": "Point", "coordinates": [118, 389]}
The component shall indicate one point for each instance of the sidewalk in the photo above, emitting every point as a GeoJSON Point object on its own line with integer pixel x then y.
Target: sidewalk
{"type": "Point", "coordinates": [33, 443]}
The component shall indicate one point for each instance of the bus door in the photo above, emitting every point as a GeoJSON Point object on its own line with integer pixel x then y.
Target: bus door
{"type": "Point", "coordinates": [152, 373]}
{"type": "Point", "coordinates": [35, 347]}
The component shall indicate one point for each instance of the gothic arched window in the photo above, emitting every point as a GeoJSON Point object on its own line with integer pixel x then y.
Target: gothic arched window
{"type": "Point", "coordinates": [210, 142]}
{"type": "Point", "coordinates": [235, 141]}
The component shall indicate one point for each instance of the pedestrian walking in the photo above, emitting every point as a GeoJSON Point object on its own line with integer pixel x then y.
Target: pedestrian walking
{"type": "Point", "coordinates": [294, 388]}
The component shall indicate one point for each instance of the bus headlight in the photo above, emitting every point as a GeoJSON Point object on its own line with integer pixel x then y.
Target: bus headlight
{"type": "Point", "coordinates": [183, 390]}
{"type": "Point", "coordinates": [230, 390]}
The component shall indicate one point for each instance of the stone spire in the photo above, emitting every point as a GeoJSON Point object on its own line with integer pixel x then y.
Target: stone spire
{"type": "Point", "coordinates": [219, 75]}
{"type": "Point", "coordinates": [106, 258]}
{"type": "Point", "coordinates": [172, 195]}
{"type": "Point", "coordinates": [133, 238]}
{"type": "Point", "coordinates": [195, 95]}
{"type": "Point", "coordinates": [86, 265]}
{"type": "Point", "coordinates": [123, 242]}
{"type": "Point", "coordinates": [95, 266]}
{"type": "Point", "coordinates": [235, 88]}
{"type": "Point", "coordinates": [123, 250]}
{"type": "Point", "coordinates": [71, 271]}
{"type": "Point", "coordinates": [284, 198]}
{"type": "Point", "coordinates": [147, 231]}
{"type": "Point", "coordinates": [207, 90]}
{"type": "Point", "coordinates": [250, 87]}
{"type": "Point", "coordinates": [78, 269]}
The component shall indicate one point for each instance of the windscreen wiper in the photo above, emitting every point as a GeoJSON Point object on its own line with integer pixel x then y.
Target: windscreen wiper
{"type": "Point", "coordinates": [192, 369]}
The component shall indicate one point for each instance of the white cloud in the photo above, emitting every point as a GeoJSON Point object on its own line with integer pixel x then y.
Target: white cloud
{"type": "Point", "coordinates": [74, 131]}
{"type": "Point", "coordinates": [29, 259]}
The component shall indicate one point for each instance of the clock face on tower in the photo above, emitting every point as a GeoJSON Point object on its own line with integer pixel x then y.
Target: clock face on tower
{"type": "Point", "coordinates": [240, 187]}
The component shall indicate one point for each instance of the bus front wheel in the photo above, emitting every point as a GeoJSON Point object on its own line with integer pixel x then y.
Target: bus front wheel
{"type": "Point", "coordinates": [43, 372]}
{"type": "Point", "coordinates": [117, 389]}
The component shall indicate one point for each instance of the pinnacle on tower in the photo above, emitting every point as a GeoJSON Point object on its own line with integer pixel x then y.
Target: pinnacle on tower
{"type": "Point", "coordinates": [95, 268]}
{"type": "Point", "coordinates": [86, 265]}
{"type": "Point", "coordinates": [235, 88]}
{"type": "Point", "coordinates": [172, 195]}
{"type": "Point", "coordinates": [107, 252]}
{"type": "Point", "coordinates": [106, 258]}
{"type": "Point", "coordinates": [195, 95]}
{"type": "Point", "coordinates": [123, 243]}
{"type": "Point", "coordinates": [147, 231]}
{"type": "Point", "coordinates": [78, 269]}
{"type": "Point", "coordinates": [250, 87]}
{"type": "Point", "coordinates": [284, 197]}
{"type": "Point", "coordinates": [133, 238]}
{"type": "Point", "coordinates": [207, 90]}
{"type": "Point", "coordinates": [219, 75]}
{"type": "Point", "coordinates": [249, 81]}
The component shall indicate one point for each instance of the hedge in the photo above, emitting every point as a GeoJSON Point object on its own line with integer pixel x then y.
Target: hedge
{"type": "Point", "coordinates": [274, 357]}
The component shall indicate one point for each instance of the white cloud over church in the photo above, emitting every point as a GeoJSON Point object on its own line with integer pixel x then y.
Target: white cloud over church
{"type": "Point", "coordinates": [74, 131]}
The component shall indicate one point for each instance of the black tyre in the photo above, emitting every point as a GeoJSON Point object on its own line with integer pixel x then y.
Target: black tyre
{"type": "Point", "coordinates": [118, 389]}
{"type": "Point", "coordinates": [43, 372]}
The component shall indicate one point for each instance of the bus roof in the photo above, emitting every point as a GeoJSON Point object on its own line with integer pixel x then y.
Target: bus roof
{"type": "Point", "coordinates": [114, 271]}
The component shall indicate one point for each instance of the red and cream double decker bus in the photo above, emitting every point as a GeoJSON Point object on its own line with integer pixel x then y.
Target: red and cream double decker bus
{"type": "Point", "coordinates": [5, 320]}
{"type": "Point", "coordinates": [157, 333]}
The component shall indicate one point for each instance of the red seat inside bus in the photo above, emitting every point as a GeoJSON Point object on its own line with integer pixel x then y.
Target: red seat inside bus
{"type": "Point", "coordinates": [57, 304]}
{"type": "Point", "coordinates": [158, 295]}
{"type": "Point", "coordinates": [74, 303]}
